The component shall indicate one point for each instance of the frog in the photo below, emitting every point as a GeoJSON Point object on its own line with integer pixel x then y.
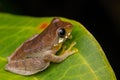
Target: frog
{"type": "Point", "coordinates": [36, 53]}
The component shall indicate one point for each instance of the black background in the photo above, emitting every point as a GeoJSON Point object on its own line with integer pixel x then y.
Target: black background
{"type": "Point", "coordinates": [100, 17]}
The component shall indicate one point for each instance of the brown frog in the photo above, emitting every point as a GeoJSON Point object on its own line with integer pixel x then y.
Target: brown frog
{"type": "Point", "coordinates": [35, 54]}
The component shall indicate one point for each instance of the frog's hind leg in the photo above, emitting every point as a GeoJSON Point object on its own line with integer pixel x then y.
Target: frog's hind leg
{"type": "Point", "coordinates": [27, 66]}
{"type": "Point", "coordinates": [64, 54]}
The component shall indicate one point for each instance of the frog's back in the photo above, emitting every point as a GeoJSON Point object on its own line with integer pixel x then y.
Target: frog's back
{"type": "Point", "coordinates": [33, 45]}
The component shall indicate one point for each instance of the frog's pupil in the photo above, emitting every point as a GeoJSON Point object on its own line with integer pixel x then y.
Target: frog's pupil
{"type": "Point", "coordinates": [61, 32]}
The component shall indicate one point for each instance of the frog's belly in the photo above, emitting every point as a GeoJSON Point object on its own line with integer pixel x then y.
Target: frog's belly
{"type": "Point", "coordinates": [27, 66]}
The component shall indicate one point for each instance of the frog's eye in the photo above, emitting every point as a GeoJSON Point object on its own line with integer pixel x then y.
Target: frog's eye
{"type": "Point", "coordinates": [61, 32]}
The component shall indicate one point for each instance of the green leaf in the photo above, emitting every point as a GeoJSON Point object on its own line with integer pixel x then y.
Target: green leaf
{"type": "Point", "coordinates": [90, 63]}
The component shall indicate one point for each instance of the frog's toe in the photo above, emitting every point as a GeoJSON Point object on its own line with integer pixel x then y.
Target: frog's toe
{"type": "Point", "coordinates": [71, 46]}
{"type": "Point", "coordinates": [75, 50]}
{"type": "Point", "coordinates": [63, 49]}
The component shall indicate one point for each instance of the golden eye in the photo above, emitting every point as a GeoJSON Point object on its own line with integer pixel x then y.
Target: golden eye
{"type": "Point", "coordinates": [61, 32]}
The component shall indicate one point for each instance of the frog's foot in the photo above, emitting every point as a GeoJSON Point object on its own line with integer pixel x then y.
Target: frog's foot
{"type": "Point", "coordinates": [64, 54]}
{"type": "Point", "coordinates": [69, 50]}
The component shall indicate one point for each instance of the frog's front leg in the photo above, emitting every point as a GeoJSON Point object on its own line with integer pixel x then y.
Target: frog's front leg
{"type": "Point", "coordinates": [64, 54]}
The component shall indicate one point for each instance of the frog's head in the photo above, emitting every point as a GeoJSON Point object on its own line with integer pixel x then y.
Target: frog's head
{"type": "Point", "coordinates": [62, 29]}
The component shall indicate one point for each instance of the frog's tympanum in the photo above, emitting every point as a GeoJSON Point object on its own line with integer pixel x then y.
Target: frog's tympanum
{"type": "Point", "coordinates": [35, 54]}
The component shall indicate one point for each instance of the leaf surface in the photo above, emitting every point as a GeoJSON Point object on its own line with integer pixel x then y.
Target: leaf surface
{"type": "Point", "coordinates": [89, 63]}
